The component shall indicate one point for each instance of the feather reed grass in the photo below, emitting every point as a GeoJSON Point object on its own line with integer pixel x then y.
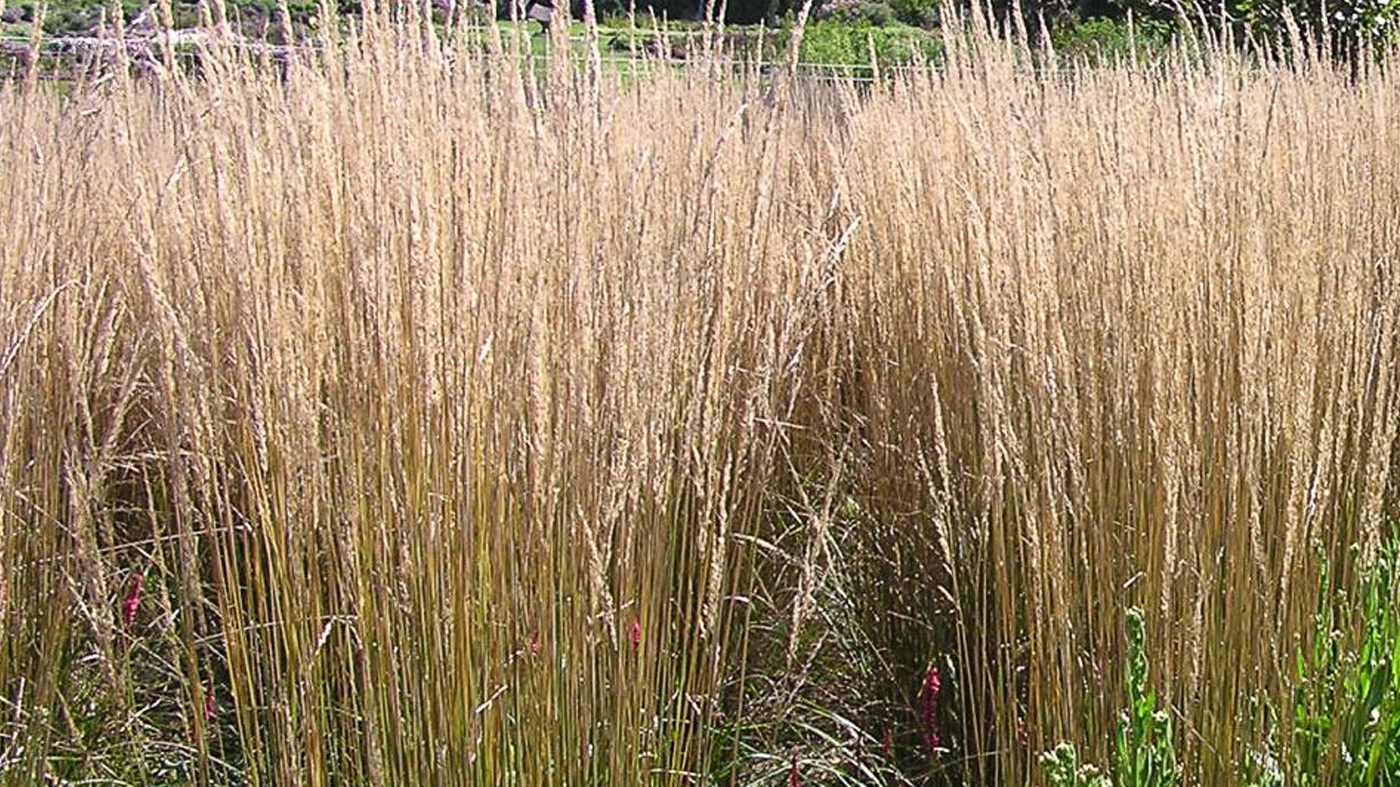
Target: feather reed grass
{"type": "Point", "coordinates": [403, 416]}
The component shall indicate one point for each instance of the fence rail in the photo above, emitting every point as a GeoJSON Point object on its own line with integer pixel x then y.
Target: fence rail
{"type": "Point", "coordinates": [60, 57]}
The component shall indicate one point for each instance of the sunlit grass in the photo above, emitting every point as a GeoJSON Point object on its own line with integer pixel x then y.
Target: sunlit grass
{"type": "Point", "coordinates": [408, 416]}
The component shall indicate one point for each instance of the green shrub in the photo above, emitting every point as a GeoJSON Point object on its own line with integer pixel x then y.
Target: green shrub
{"type": "Point", "coordinates": [858, 12]}
{"type": "Point", "coordinates": [303, 10]}
{"type": "Point", "coordinates": [71, 20]}
{"type": "Point", "coordinates": [15, 14]}
{"type": "Point", "coordinates": [920, 13]}
{"type": "Point", "coordinates": [1351, 22]}
{"type": "Point", "coordinates": [835, 42]}
{"type": "Point", "coordinates": [879, 13]}
{"type": "Point", "coordinates": [1107, 40]}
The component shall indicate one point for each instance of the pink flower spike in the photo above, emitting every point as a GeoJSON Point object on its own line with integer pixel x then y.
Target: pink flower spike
{"type": "Point", "coordinates": [133, 600]}
{"type": "Point", "coordinates": [794, 778]}
{"type": "Point", "coordinates": [929, 711]}
{"type": "Point", "coordinates": [636, 634]}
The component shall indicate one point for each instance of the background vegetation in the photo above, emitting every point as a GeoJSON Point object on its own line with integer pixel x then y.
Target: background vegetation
{"type": "Point", "coordinates": [844, 29]}
{"type": "Point", "coordinates": [398, 415]}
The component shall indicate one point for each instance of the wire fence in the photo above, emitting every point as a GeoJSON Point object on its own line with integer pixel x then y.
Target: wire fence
{"type": "Point", "coordinates": [67, 57]}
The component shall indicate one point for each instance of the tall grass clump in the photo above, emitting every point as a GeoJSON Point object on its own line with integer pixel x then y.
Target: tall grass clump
{"type": "Point", "coordinates": [401, 415]}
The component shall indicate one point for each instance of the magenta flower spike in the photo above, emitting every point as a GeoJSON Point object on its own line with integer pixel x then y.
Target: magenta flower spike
{"type": "Point", "coordinates": [929, 710]}
{"type": "Point", "coordinates": [133, 600]}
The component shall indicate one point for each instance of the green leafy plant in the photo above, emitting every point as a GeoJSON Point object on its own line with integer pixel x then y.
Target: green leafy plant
{"type": "Point", "coordinates": [1146, 756]}
{"type": "Point", "coordinates": [1347, 700]}
{"type": "Point", "coordinates": [1348, 22]}
{"type": "Point", "coordinates": [1064, 769]}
